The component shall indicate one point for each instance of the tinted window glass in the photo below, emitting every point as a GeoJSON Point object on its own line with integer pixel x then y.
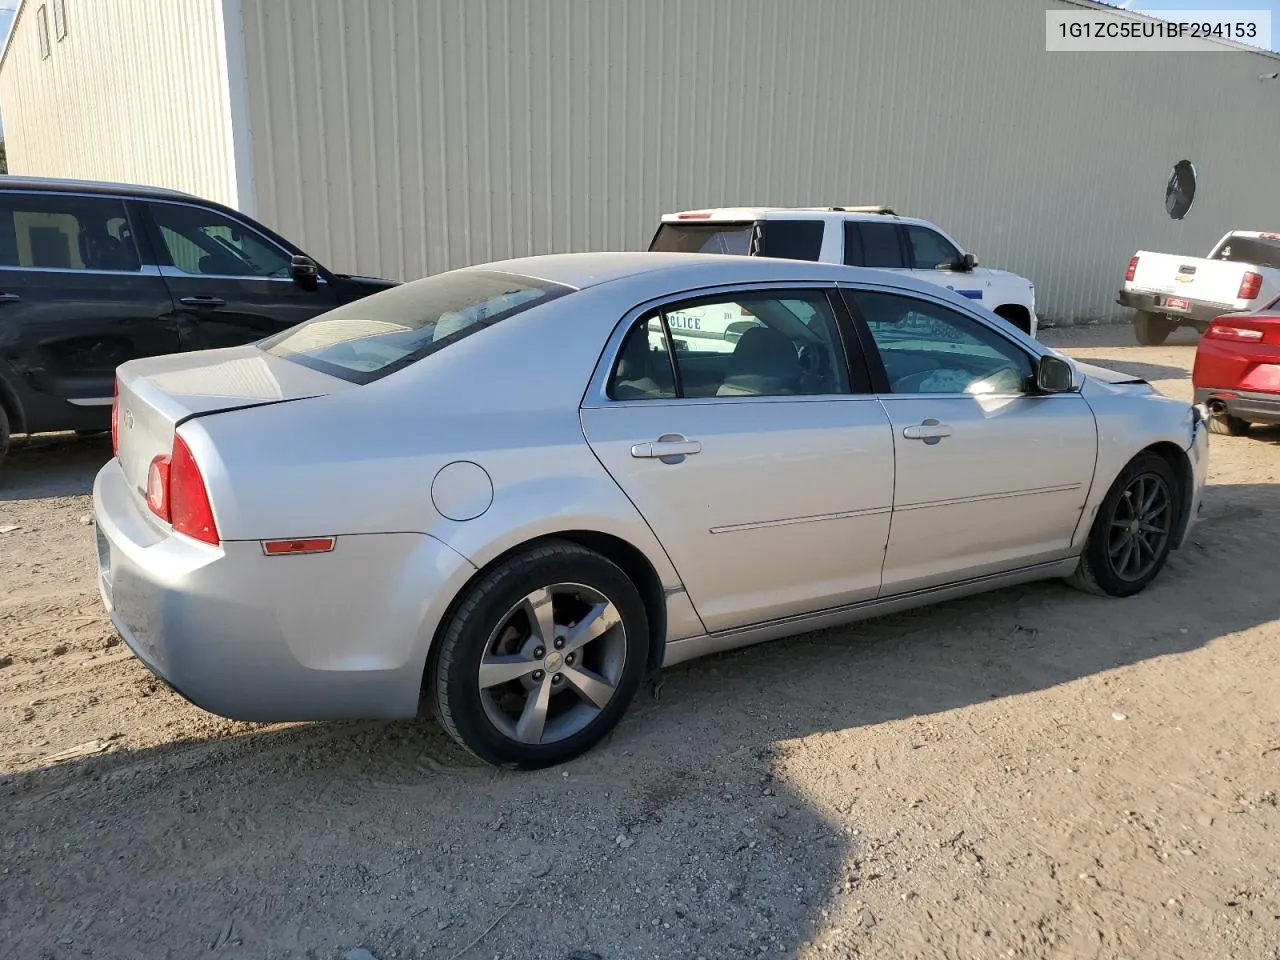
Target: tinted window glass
{"type": "Point", "coordinates": [930, 249]}
{"type": "Point", "coordinates": [373, 336]}
{"type": "Point", "coordinates": [66, 232]}
{"type": "Point", "coordinates": [731, 238]}
{"type": "Point", "coordinates": [749, 345]}
{"type": "Point", "coordinates": [877, 244]}
{"type": "Point", "coordinates": [928, 348]}
{"type": "Point", "coordinates": [203, 242]}
{"type": "Point", "coordinates": [791, 239]}
{"type": "Point", "coordinates": [1256, 250]}
{"type": "Point", "coordinates": [643, 370]}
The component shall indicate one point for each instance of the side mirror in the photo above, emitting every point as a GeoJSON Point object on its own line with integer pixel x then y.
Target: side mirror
{"type": "Point", "coordinates": [968, 262]}
{"type": "Point", "coordinates": [1054, 375]}
{"type": "Point", "coordinates": [304, 271]}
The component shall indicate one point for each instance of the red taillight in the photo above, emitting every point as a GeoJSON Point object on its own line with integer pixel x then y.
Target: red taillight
{"type": "Point", "coordinates": [1221, 331]}
{"type": "Point", "coordinates": [1250, 286]}
{"type": "Point", "coordinates": [693, 216]}
{"type": "Point", "coordinates": [115, 418]}
{"type": "Point", "coordinates": [177, 495]}
{"type": "Point", "coordinates": [1133, 268]}
{"type": "Point", "coordinates": [188, 500]}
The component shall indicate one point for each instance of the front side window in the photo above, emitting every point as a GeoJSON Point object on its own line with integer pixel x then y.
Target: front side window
{"type": "Point", "coordinates": [203, 242]}
{"type": "Point", "coordinates": [872, 244]}
{"type": "Point", "coordinates": [746, 345]}
{"type": "Point", "coordinates": [930, 250]}
{"type": "Point", "coordinates": [66, 232]}
{"type": "Point", "coordinates": [376, 335]}
{"type": "Point", "coordinates": [929, 348]}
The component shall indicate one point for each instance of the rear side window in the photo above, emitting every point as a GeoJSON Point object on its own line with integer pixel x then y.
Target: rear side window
{"type": "Point", "coordinates": [66, 232]}
{"type": "Point", "coordinates": [791, 239]}
{"type": "Point", "coordinates": [729, 238]}
{"type": "Point", "coordinates": [870, 244]}
{"type": "Point", "coordinates": [369, 338]}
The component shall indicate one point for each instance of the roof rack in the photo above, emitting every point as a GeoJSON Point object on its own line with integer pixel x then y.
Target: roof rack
{"type": "Point", "coordinates": [878, 208]}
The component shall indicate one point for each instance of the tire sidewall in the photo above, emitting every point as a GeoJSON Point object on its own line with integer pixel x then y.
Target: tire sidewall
{"type": "Point", "coordinates": [1098, 559]}
{"type": "Point", "coordinates": [466, 636]}
{"type": "Point", "coordinates": [4, 434]}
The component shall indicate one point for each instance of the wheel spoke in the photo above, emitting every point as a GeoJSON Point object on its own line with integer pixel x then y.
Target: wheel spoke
{"type": "Point", "coordinates": [1116, 549]}
{"type": "Point", "coordinates": [602, 618]}
{"type": "Point", "coordinates": [538, 608]}
{"type": "Point", "coordinates": [593, 688]}
{"type": "Point", "coordinates": [495, 671]}
{"type": "Point", "coordinates": [533, 719]}
{"type": "Point", "coordinates": [1150, 499]}
{"type": "Point", "coordinates": [1126, 558]}
{"type": "Point", "coordinates": [1142, 543]}
{"type": "Point", "coordinates": [1149, 527]}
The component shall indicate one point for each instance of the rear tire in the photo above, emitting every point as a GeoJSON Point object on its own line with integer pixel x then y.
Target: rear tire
{"type": "Point", "coordinates": [1132, 535]}
{"type": "Point", "coordinates": [4, 434]}
{"type": "Point", "coordinates": [515, 679]}
{"type": "Point", "coordinates": [1227, 425]}
{"type": "Point", "coordinates": [1152, 329]}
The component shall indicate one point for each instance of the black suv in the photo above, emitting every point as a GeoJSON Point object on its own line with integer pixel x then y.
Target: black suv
{"type": "Point", "coordinates": [94, 274]}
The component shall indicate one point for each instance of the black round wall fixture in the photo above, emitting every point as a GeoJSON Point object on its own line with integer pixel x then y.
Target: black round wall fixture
{"type": "Point", "coordinates": [1181, 190]}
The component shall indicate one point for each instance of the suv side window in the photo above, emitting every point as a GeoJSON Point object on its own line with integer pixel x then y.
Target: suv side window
{"type": "Point", "coordinates": [203, 242]}
{"type": "Point", "coordinates": [929, 348]}
{"type": "Point", "coordinates": [929, 249]}
{"type": "Point", "coordinates": [66, 232]}
{"type": "Point", "coordinates": [791, 239]}
{"type": "Point", "coordinates": [871, 244]}
{"type": "Point", "coordinates": [749, 344]}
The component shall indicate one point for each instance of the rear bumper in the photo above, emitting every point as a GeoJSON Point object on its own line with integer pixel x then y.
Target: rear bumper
{"type": "Point", "coordinates": [1254, 407]}
{"type": "Point", "coordinates": [342, 635]}
{"type": "Point", "coordinates": [1196, 311]}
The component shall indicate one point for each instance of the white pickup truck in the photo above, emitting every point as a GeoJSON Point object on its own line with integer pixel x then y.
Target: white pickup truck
{"type": "Point", "coordinates": [1242, 272]}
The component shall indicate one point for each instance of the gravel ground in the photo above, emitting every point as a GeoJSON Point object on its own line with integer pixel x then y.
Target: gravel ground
{"type": "Point", "coordinates": [1032, 773]}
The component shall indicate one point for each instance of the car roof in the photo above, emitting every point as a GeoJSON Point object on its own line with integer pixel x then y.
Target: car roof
{"type": "Point", "coordinates": [582, 270]}
{"type": "Point", "coordinates": [64, 185]}
{"type": "Point", "coordinates": [835, 213]}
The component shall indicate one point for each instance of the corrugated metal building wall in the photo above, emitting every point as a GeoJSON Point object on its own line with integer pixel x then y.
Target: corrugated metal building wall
{"type": "Point", "coordinates": [135, 92]}
{"type": "Point", "coordinates": [404, 137]}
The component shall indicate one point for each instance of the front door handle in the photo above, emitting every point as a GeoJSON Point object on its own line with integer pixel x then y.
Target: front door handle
{"type": "Point", "coordinates": [203, 302]}
{"type": "Point", "coordinates": [665, 447]}
{"type": "Point", "coordinates": [9, 298]}
{"type": "Point", "coordinates": [930, 431]}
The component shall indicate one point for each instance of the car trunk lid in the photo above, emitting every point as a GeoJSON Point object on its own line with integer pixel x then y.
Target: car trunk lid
{"type": "Point", "coordinates": [157, 394]}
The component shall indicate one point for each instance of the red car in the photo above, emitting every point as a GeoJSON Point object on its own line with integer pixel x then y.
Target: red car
{"type": "Point", "coordinates": [1237, 370]}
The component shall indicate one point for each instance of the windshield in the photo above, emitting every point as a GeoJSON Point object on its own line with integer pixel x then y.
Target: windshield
{"type": "Point", "coordinates": [730, 238]}
{"type": "Point", "coordinates": [1260, 251]}
{"type": "Point", "coordinates": [374, 336]}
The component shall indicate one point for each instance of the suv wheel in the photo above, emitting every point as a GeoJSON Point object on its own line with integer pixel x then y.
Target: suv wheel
{"type": "Point", "coordinates": [1152, 329]}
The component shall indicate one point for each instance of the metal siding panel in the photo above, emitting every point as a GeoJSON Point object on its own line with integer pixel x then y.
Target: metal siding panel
{"type": "Point", "coordinates": [135, 92]}
{"type": "Point", "coordinates": [438, 133]}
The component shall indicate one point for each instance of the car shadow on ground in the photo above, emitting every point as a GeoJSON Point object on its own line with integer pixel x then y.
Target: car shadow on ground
{"type": "Point", "coordinates": [682, 835]}
{"type": "Point", "coordinates": [53, 465]}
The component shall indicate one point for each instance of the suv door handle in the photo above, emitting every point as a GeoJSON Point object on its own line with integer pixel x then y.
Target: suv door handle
{"type": "Point", "coordinates": [9, 298]}
{"type": "Point", "coordinates": [930, 431]}
{"type": "Point", "coordinates": [203, 302]}
{"type": "Point", "coordinates": [663, 448]}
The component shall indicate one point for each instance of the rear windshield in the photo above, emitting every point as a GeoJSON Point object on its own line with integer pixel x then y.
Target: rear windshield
{"type": "Point", "coordinates": [1259, 251]}
{"type": "Point", "coordinates": [377, 335]}
{"type": "Point", "coordinates": [731, 238]}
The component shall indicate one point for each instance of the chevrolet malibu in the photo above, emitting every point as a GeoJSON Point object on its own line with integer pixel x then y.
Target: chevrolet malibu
{"type": "Point", "coordinates": [509, 490]}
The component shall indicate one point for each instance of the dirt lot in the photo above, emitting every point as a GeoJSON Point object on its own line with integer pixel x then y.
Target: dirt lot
{"type": "Point", "coordinates": [1034, 773]}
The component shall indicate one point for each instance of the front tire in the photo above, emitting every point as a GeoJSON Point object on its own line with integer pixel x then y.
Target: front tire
{"type": "Point", "coordinates": [4, 434]}
{"type": "Point", "coordinates": [1152, 329]}
{"type": "Point", "coordinates": [1227, 425]}
{"type": "Point", "coordinates": [1132, 535]}
{"type": "Point", "coordinates": [541, 657]}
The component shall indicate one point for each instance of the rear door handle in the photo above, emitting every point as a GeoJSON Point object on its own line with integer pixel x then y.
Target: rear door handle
{"type": "Point", "coordinates": [660, 449]}
{"type": "Point", "coordinates": [203, 302]}
{"type": "Point", "coordinates": [9, 298]}
{"type": "Point", "coordinates": [930, 431]}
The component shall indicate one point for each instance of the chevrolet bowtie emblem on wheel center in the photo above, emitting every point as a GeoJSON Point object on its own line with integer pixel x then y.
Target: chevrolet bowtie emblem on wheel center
{"type": "Point", "coordinates": [554, 661]}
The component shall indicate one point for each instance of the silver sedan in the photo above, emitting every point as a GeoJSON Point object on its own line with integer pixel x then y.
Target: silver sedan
{"type": "Point", "coordinates": [519, 488]}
